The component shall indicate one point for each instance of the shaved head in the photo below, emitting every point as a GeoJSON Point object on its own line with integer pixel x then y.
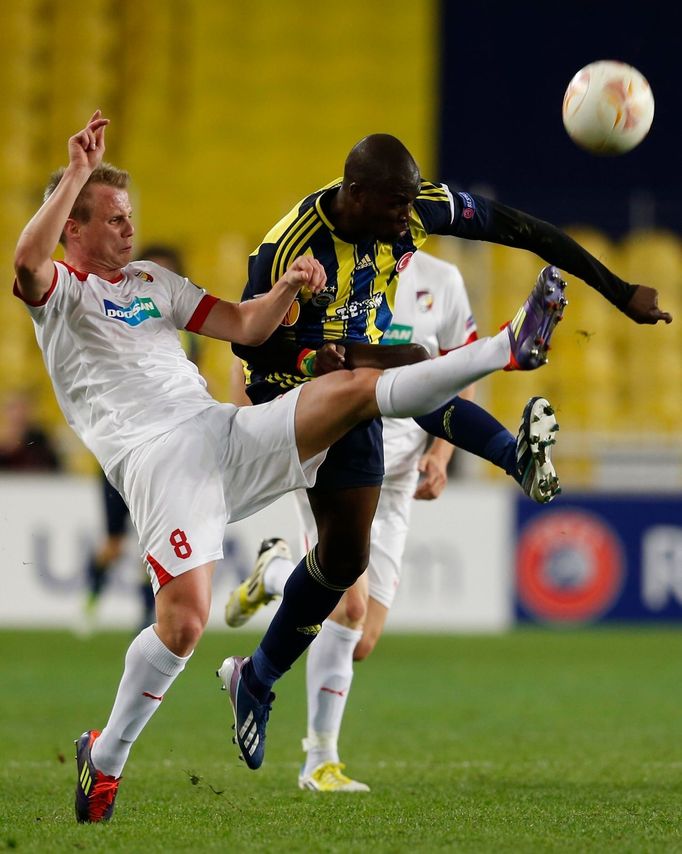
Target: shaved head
{"type": "Point", "coordinates": [381, 183]}
{"type": "Point", "coordinates": [380, 162]}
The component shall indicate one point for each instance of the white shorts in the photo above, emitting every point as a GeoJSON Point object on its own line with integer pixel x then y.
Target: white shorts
{"type": "Point", "coordinates": [388, 536]}
{"type": "Point", "coordinates": [183, 487]}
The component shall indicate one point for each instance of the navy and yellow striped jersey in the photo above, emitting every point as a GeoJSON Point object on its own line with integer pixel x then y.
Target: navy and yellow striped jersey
{"type": "Point", "coordinates": [357, 303]}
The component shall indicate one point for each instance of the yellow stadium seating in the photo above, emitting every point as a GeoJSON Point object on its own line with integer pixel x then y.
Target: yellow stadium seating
{"type": "Point", "coordinates": [224, 120]}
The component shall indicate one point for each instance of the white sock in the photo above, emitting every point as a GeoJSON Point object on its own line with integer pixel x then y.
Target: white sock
{"type": "Point", "coordinates": [422, 388]}
{"type": "Point", "coordinates": [276, 575]}
{"type": "Point", "coordinates": [150, 670]}
{"type": "Point", "coordinates": [329, 673]}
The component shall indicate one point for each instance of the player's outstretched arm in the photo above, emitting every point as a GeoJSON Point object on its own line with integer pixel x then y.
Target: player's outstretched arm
{"type": "Point", "coordinates": [508, 226]}
{"type": "Point", "coordinates": [252, 322]}
{"type": "Point", "coordinates": [38, 241]}
{"type": "Point", "coordinates": [336, 355]}
{"type": "Point", "coordinates": [643, 306]}
{"type": "Point", "coordinates": [383, 356]}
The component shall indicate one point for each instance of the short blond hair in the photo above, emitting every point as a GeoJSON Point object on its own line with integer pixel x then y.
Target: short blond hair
{"type": "Point", "coordinates": [105, 173]}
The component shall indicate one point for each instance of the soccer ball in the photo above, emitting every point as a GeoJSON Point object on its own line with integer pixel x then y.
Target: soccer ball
{"type": "Point", "coordinates": [608, 107]}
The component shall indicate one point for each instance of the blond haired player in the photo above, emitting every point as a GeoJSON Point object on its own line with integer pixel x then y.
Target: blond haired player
{"type": "Point", "coordinates": [186, 464]}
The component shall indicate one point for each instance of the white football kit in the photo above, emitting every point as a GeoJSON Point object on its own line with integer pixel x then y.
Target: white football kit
{"type": "Point", "coordinates": [432, 309]}
{"type": "Point", "coordinates": [185, 464]}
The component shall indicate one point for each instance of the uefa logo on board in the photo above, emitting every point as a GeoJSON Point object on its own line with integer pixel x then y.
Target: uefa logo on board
{"type": "Point", "coordinates": [570, 567]}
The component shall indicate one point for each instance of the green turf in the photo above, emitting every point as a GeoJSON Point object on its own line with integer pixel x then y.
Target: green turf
{"type": "Point", "coordinates": [531, 741]}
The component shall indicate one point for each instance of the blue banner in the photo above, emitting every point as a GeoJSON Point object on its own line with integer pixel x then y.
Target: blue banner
{"type": "Point", "coordinates": [599, 557]}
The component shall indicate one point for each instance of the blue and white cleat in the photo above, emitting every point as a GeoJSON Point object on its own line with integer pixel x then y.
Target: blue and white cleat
{"type": "Point", "coordinates": [531, 329]}
{"type": "Point", "coordinates": [536, 436]}
{"type": "Point", "coordinates": [250, 716]}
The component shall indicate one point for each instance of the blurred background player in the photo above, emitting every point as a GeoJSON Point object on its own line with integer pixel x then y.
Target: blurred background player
{"type": "Point", "coordinates": [24, 445]}
{"type": "Point", "coordinates": [432, 309]}
{"type": "Point", "coordinates": [116, 514]}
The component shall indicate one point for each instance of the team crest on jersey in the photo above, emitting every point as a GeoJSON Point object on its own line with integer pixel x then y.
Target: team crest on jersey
{"type": "Point", "coordinates": [293, 314]}
{"type": "Point", "coordinates": [403, 261]}
{"type": "Point", "coordinates": [139, 310]}
{"type": "Point", "coordinates": [146, 277]}
{"type": "Point", "coordinates": [324, 298]}
{"type": "Point", "coordinates": [424, 301]}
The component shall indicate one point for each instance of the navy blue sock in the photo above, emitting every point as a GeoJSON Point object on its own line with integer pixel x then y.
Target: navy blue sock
{"type": "Point", "coordinates": [96, 576]}
{"type": "Point", "coordinates": [469, 427]}
{"type": "Point", "coordinates": [308, 599]}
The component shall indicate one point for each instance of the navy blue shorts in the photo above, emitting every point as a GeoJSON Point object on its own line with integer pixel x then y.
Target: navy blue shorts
{"type": "Point", "coordinates": [357, 459]}
{"type": "Point", "coordinates": [115, 510]}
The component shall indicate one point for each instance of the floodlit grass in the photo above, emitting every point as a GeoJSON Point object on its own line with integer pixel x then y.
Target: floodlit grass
{"type": "Point", "coordinates": [531, 741]}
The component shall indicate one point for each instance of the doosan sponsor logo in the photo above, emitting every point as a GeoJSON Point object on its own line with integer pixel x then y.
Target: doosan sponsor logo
{"type": "Point", "coordinates": [397, 334]}
{"type": "Point", "coordinates": [137, 312]}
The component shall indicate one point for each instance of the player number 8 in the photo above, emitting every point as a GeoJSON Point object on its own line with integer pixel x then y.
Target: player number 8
{"type": "Point", "coordinates": [178, 539]}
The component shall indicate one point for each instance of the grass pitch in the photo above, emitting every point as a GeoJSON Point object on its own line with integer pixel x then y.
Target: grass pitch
{"type": "Point", "coordinates": [531, 741]}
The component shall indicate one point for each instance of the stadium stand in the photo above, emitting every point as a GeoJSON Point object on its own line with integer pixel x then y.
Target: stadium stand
{"type": "Point", "coordinates": [216, 154]}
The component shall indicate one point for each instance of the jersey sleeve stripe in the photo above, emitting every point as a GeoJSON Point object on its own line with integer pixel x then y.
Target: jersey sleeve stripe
{"type": "Point", "coordinates": [428, 189]}
{"type": "Point", "coordinates": [438, 193]}
{"type": "Point", "coordinates": [201, 312]}
{"type": "Point", "coordinates": [451, 201]}
{"type": "Point", "coordinates": [296, 249]}
{"type": "Point", "coordinates": [279, 264]}
{"type": "Point", "coordinates": [45, 297]}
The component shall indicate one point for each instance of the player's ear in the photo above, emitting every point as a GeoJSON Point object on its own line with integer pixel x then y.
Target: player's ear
{"type": "Point", "coordinates": [355, 190]}
{"type": "Point", "coordinates": [357, 193]}
{"type": "Point", "coordinates": [71, 229]}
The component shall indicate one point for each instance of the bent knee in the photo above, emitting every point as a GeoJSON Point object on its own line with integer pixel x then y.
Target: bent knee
{"type": "Point", "coordinates": [355, 611]}
{"type": "Point", "coordinates": [364, 647]}
{"type": "Point", "coordinates": [358, 391]}
{"type": "Point", "coordinates": [344, 567]}
{"type": "Point", "coordinates": [181, 632]}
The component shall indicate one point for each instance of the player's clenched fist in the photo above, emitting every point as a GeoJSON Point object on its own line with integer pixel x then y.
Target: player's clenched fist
{"type": "Point", "coordinates": [306, 271]}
